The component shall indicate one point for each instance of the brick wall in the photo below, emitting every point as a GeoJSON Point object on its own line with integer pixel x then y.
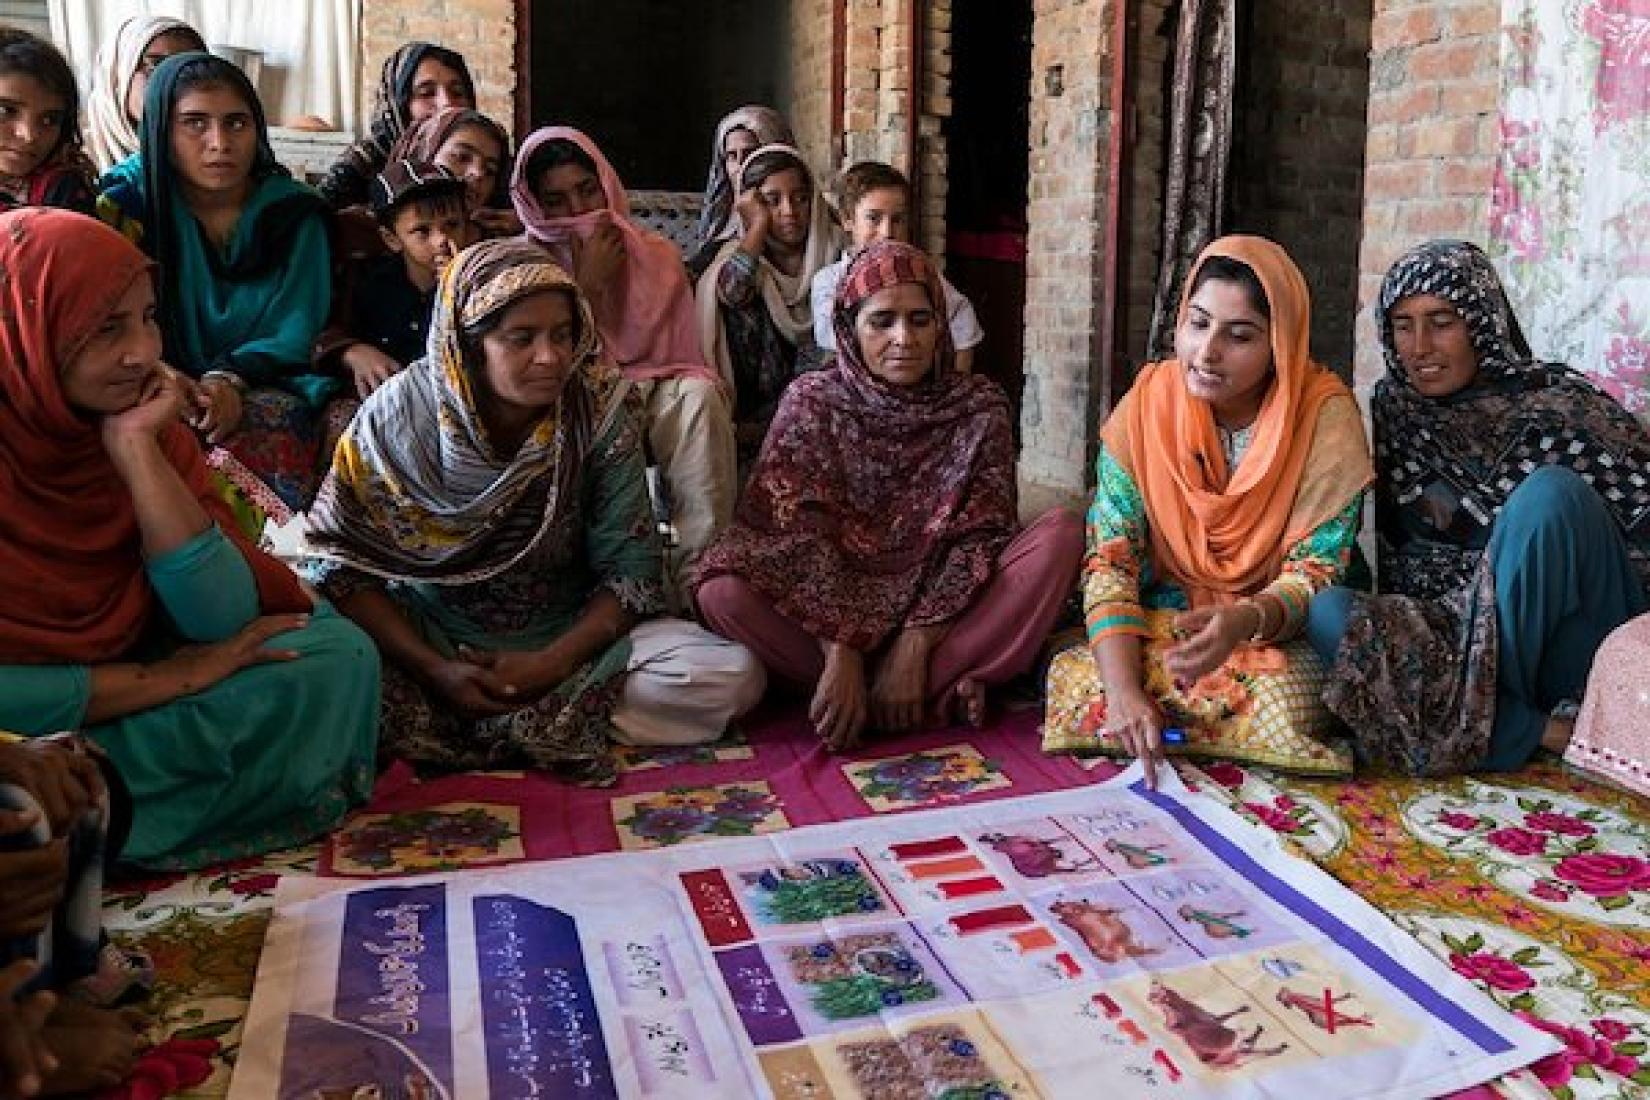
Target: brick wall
{"type": "Point", "coordinates": [1297, 166]}
{"type": "Point", "coordinates": [1432, 139]}
{"type": "Point", "coordinates": [876, 98]}
{"type": "Point", "coordinates": [805, 84]}
{"type": "Point", "coordinates": [1070, 123]}
{"type": "Point", "coordinates": [484, 31]}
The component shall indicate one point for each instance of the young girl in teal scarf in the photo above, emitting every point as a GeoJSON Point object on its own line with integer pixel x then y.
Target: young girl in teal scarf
{"type": "Point", "coordinates": [244, 281]}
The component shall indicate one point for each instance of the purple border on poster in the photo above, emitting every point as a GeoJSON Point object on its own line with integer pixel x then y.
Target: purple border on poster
{"type": "Point", "coordinates": [1400, 977]}
{"type": "Point", "coordinates": [756, 993]}
{"type": "Point", "coordinates": [541, 1028]}
{"type": "Point", "coordinates": [392, 971]}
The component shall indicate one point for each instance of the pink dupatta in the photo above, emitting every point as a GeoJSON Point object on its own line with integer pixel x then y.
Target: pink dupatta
{"type": "Point", "coordinates": [646, 316]}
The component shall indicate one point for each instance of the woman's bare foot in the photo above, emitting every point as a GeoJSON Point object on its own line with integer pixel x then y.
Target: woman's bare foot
{"type": "Point", "coordinates": [1556, 736]}
{"type": "Point", "coordinates": [95, 1048]}
{"type": "Point", "coordinates": [969, 702]}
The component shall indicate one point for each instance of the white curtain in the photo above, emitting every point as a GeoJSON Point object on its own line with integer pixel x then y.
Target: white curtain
{"type": "Point", "coordinates": [1570, 211]}
{"type": "Point", "coordinates": [311, 48]}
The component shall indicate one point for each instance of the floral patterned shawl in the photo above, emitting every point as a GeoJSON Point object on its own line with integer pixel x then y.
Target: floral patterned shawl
{"type": "Point", "coordinates": [871, 507]}
{"type": "Point", "coordinates": [417, 490]}
{"type": "Point", "coordinates": [1448, 464]}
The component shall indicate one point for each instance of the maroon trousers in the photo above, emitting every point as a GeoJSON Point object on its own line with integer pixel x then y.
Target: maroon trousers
{"type": "Point", "coordinates": [996, 639]}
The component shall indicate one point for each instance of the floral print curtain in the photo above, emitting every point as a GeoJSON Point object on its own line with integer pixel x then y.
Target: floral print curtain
{"type": "Point", "coordinates": [1570, 210]}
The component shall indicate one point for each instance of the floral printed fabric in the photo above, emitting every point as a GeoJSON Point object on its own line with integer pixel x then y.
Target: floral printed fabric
{"type": "Point", "coordinates": [1570, 210]}
{"type": "Point", "coordinates": [678, 815]}
{"type": "Point", "coordinates": [1119, 578]}
{"type": "Point", "coordinates": [930, 778]}
{"type": "Point", "coordinates": [1272, 718]}
{"type": "Point", "coordinates": [1536, 886]}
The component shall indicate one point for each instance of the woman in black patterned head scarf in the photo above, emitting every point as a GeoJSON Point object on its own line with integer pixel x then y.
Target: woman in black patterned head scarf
{"type": "Point", "coordinates": [418, 80]}
{"type": "Point", "coordinates": [1513, 519]}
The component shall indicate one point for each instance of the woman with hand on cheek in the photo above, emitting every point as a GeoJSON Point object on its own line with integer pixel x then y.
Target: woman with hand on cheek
{"type": "Point", "coordinates": [239, 712]}
{"type": "Point", "coordinates": [739, 134]}
{"type": "Point", "coordinates": [755, 315]}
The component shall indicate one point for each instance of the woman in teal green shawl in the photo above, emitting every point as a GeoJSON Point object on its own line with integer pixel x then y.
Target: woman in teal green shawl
{"type": "Point", "coordinates": [246, 273]}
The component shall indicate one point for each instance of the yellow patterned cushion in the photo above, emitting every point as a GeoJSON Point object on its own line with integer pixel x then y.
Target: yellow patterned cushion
{"type": "Point", "coordinates": [1276, 719]}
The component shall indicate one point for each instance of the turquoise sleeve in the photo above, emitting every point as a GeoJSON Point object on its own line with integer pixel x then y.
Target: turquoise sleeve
{"type": "Point", "coordinates": [41, 699]}
{"type": "Point", "coordinates": [206, 587]}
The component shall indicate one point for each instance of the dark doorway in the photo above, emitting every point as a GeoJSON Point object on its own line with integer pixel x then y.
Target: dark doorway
{"type": "Point", "coordinates": [649, 79]}
{"type": "Point", "coordinates": [989, 138]}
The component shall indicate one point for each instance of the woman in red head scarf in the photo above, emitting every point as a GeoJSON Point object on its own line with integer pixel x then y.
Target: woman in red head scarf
{"type": "Point", "coordinates": [129, 607]}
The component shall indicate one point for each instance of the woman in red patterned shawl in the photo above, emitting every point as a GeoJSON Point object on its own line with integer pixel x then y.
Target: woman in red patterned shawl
{"type": "Point", "coordinates": [874, 557]}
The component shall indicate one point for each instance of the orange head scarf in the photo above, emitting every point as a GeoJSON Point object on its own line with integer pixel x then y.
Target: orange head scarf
{"type": "Point", "coordinates": [72, 581]}
{"type": "Point", "coordinates": [1222, 535]}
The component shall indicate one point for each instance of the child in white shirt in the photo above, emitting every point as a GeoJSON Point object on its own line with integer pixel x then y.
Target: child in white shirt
{"type": "Point", "coordinates": [874, 198]}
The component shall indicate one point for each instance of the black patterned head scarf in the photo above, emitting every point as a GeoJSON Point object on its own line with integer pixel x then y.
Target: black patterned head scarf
{"type": "Point", "coordinates": [1461, 274]}
{"type": "Point", "coordinates": [1448, 464]}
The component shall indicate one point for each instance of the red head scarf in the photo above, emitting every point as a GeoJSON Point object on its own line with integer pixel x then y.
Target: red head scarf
{"type": "Point", "coordinates": [72, 582]}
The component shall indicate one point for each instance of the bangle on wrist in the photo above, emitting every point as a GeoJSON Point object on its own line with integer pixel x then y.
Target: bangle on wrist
{"type": "Point", "coordinates": [234, 380]}
{"type": "Point", "coordinates": [1263, 633]}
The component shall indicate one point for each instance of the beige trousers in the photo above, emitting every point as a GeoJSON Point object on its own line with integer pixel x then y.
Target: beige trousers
{"type": "Point", "coordinates": [684, 685]}
{"type": "Point", "coordinates": [690, 434]}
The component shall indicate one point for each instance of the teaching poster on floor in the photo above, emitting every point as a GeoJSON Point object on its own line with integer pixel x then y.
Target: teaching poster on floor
{"type": "Point", "coordinates": [1112, 942]}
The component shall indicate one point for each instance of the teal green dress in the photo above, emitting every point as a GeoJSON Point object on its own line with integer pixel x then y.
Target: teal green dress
{"type": "Point", "coordinates": [266, 758]}
{"type": "Point", "coordinates": [251, 308]}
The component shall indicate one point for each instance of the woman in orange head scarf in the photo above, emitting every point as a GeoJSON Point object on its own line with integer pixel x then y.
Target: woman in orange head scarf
{"type": "Point", "coordinates": [241, 714]}
{"type": "Point", "coordinates": [1229, 487]}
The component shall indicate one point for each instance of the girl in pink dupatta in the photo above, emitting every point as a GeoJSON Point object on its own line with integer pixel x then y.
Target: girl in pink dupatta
{"type": "Point", "coordinates": [573, 204]}
{"type": "Point", "coordinates": [874, 556]}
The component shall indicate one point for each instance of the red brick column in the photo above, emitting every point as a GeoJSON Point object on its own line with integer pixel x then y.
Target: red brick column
{"type": "Point", "coordinates": [1432, 141]}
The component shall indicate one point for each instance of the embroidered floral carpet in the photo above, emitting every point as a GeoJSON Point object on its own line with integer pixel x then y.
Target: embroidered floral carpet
{"type": "Point", "coordinates": [1536, 885]}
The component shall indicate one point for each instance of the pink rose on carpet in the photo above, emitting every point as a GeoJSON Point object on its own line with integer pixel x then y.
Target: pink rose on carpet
{"type": "Point", "coordinates": [1493, 970]}
{"type": "Point", "coordinates": [1562, 824]}
{"type": "Point", "coordinates": [1284, 802]}
{"type": "Point", "coordinates": [1548, 890]}
{"type": "Point", "coordinates": [1272, 818]}
{"type": "Point", "coordinates": [1612, 1030]}
{"type": "Point", "coordinates": [1605, 874]}
{"type": "Point", "coordinates": [1556, 1069]}
{"type": "Point", "coordinates": [1227, 774]}
{"type": "Point", "coordinates": [1582, 1049]}
{"type": "Point", "coordinates": [1518, 842]}
{"type": "Point", "coordinates": [1465, 822]}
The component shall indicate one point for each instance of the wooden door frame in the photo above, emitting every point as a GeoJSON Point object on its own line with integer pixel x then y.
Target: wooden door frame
{"type": "Point", "coordinates": [523, 114]}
